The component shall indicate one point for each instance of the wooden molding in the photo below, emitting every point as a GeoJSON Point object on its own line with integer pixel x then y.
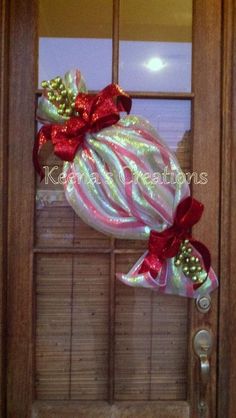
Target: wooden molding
{"type": "Point", "coordinates": [102, 409]}
{"type": "Point", "coordinates": [206, 158]}
{"type": "Point", "coordinates": [4, 50]}
{"type": "Point", "coordinates": [22, 83]}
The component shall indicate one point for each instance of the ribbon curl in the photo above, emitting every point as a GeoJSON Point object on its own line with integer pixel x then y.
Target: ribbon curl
{"type": "Point", "coordinates": [166, 244]}
{"type": "Point", "coordinates": [94, 113]}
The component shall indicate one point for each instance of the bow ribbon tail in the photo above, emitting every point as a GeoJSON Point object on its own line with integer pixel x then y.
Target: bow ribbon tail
{"type": "Point", "coordinates": [43, 136]}
{"type": "Point", "coordinates": [188, 213]}
{"type": "Point", "coordinates": [151, 264]}
{"type": "Point", "coordinates": [162, 245]}
{"type": "Point", "coordinates": [166, 244]}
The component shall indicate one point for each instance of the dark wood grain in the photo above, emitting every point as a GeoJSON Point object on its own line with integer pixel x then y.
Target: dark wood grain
{"type": "Point", "coordinates": [23, 49]}
{"type": "Point", "coordinates": [112, 312]}
{"type": "Point", "coordinates": [206, 158]}
{"type": "Point", "coordinates": [4, 31]}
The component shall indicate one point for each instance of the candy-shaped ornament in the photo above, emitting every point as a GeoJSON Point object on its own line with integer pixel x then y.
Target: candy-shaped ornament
{"type": "Point", "coordinates": [122, 179]}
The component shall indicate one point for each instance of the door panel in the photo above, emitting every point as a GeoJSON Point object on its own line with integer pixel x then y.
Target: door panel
{"type": "Point", "coordinates": [100, 348]}
{"type": "Point", "coordinates": [72, 340]}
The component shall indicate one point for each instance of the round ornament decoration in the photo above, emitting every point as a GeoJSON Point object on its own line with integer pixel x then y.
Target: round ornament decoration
{"type": "Point", "coordinates": [129, 197]}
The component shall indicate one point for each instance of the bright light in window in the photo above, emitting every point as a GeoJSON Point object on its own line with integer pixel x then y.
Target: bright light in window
{"type": "Point", "coordinates": [155, 64]}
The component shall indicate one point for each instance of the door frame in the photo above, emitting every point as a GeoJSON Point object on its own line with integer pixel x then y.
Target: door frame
{"type": "Point", "coordinates": [227, 292]}
{"type": "Point", "coordinates": [18, 77]}
{"type": "Point", "coordinates": [4, 49]}
{"type": "Point", "coordinates": [19, 22]}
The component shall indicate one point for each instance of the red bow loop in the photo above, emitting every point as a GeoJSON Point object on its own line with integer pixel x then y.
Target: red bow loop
{"type": "Point", "coordinates": [118, 95]}
{"type": "Point", "coordinates": [166, 244]}
{"type": "Point", "coordinates": [95, 113]}
{"type": "Point", "coordinates": [188, 213]}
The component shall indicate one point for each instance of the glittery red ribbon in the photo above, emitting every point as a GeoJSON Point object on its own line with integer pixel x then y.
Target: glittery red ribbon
{"type": "Point", "coordinates": [95, 113]}
{"type": "Point", "coordinates": [166, 244]}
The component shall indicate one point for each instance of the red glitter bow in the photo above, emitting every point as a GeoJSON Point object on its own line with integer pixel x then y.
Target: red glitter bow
{"type": "Point", "coordinates": [166, 244]}
{"type": "Point", "coordinates": [95, 113]}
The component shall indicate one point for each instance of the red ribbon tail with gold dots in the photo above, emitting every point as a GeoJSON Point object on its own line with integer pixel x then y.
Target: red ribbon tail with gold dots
{"type": "Point", "coordinates": [166, 244]}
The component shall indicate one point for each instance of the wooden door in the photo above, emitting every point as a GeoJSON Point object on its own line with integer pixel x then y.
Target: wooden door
{"type": "Point", "coordinates": [79, 343]}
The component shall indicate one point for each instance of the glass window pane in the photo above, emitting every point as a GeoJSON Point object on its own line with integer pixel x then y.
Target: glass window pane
{"type": "Point", "coordinates": [75, 34]}
{"type": "Point", "coordinates": [155, 45]}
{"type": "Point", "coordinates": [172, 120]}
